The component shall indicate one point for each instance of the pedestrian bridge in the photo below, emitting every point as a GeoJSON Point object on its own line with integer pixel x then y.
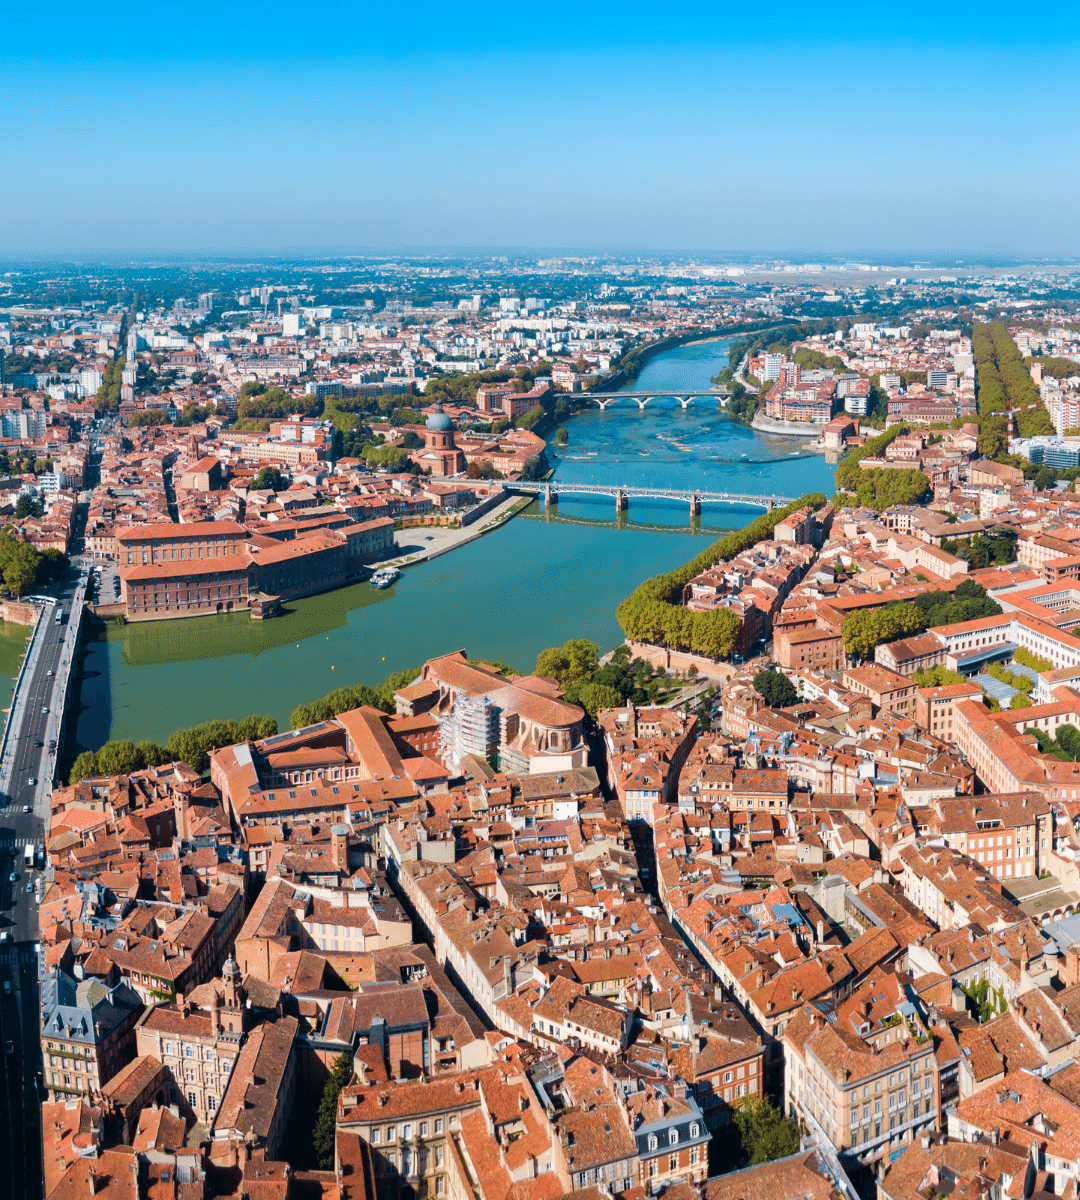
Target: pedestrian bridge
{"type": "Point", "coordinates": [623, 494]}
{"type": "Point", "coordinates": [683, 395]}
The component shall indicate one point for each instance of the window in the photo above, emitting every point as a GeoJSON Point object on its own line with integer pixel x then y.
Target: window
{"type": "Point", "coordinates": [191, 1099]}
{"type": "Point", "coordinates": [376, 1136]}
{"type": "Point", "coordinates": [673, 1162]}
{"type": "Point", "coordinates": [672, 1137]}
{"type": "Point", "coordinates": [423, 1128]}
{"type": "Point", "coordinates": [438, 1156]}
{"type": "Point", "coordinates": [695, 1130]}
{"type": "Point", "coordinates": [187, 1051]}
{"type": "Point", "coordinates": [439, 1185]}
{"type": "Point", "coordinates": [211, 1102]}
{"type": "Point", "coordinates": [729, 1076]}
{"type": "Point", "coordinates": [652, 1141]}
{"type": "Point", "coordinates": [406, 1131]}
{"type": "Point", "coordinates": [438, 1124]}
{"type": "Point", "coordinates": [740, 1090]}
{"type": "Point", "coordinates": [391, 1133]}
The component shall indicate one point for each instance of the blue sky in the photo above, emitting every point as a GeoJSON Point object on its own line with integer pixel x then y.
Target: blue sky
{"type": "Point", "coordinates": [898, 130]}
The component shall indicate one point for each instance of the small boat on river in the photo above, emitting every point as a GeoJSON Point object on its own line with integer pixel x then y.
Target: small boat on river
{"type": "Point", "coordinates": [384, 577]}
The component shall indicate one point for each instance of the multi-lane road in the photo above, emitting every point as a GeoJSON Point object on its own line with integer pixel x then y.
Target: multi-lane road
{"type": "Point", "coordinates": [29, 754]}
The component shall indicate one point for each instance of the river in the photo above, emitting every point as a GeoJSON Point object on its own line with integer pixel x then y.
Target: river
{"type": "Point", "coordinates": [540, 579]}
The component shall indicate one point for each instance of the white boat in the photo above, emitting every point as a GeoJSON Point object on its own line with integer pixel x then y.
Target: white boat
{"type": "Point", "coordinates": [384, 577]}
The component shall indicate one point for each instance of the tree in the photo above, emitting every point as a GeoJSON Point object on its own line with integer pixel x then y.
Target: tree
{"type": "Point", "coordinates": [865, 629]}
{"type": "Point", "coordinates": [24, 507]}
{"type": "Point", "coordinates": [1019, 700]}
{"type": "Point", "coordinates": [325, 1128]}
{"type": "Point", "coordinates": [84, 767]}
{"type": "Point", "coordinates": [532, 469]}
{"type": "Point", "coordinates": [562, 435]}
{"type": "Point", "coordinates": [766, 1135]}
{"type": "Point", "coordinates": [573, 662]}
{"type": "Point", "coordinates": [775, 689]}
{"type": "Point", "coordinates": [482, 470]}
{"type": "Point", "coordinates": [340, 700]}
{"type": "Point", "coordinates": [268, 479]}
{"type": "Point", "coordinates": [152, 755]}
{"type": "Point", "coordinates": [119, 758]}
{"type": "Point", "coordinates": [20, 572]}
{"type": "Point", "coordinates": [595, 697]}
{"type": "Point", "coordinates": [397, 679]}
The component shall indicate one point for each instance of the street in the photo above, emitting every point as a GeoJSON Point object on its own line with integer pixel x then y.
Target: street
{"type": "Point", "coordinates": [30, 752]}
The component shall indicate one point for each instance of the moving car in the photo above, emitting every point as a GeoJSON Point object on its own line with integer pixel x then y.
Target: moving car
{"type": "Point", "coordinates": [32, 780]}
{"type": "Point", "coordinates": [13, 877]}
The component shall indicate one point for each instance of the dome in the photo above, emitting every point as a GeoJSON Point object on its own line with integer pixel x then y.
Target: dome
{"type": "Point", "coordinates": [439, 419]}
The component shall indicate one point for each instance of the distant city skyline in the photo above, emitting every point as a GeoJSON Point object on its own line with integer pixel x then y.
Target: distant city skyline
{"type": "Point", "coordinates": [268, 129]}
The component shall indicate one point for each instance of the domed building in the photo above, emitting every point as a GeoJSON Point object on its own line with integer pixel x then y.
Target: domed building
{"type": "Point", "coordinates": [440, 454]}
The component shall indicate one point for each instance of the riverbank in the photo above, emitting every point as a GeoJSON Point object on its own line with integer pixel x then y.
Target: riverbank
{"type": "Point", "coordinates": [799, 429]}
{"type": "Point", "coordinates": [420, 543]}
{"type": "Point", "coordinates": [538, 580]}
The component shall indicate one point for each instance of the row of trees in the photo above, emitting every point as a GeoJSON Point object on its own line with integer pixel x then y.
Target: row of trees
{"type": "Point", "coordinates": [107, 398]}
{"type": "Point", "coordinates": [654, 613]}
{"type": "Point", "coordinates": [1005, 386]}
{"type": "Point", "coordinates": [191, 745]}
{"type": "Point", "coordinates": [865, 629]}
{"type": "Point", "coordinates": [258, 402]}
{"type": "Point", "coordinates": [880, 488]}
{"type": "Point", "coordinates": [355, 696]}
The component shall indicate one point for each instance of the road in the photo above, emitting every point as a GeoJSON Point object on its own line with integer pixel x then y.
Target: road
{"type": "Point", "coordinates": [28, 754]}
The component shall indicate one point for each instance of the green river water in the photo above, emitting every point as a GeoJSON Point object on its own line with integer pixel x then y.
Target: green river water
{"type": "Point", "coordinates": [533, 583]}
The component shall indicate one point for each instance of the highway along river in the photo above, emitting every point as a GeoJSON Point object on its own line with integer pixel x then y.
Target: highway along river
{"type": "Point", "coordinates": [535, 582]}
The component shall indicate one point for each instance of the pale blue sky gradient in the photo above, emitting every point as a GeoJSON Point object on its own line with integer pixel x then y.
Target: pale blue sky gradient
{"type": "Point", "coordinates": [908, 130]}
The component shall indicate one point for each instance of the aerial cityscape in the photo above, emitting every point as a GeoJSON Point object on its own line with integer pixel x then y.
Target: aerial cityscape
{"type": "Point", "coordinates": [558, 686]}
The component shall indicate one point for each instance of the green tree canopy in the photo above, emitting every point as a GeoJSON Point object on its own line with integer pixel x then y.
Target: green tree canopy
{"type": "Point", "coordinates": [325, 1128]}
{"type": "Point", "coordinates": [865, 629]}
{"type": "Point", "coordinates": [766, 1135]}
{"type": "Point", "coordinates": [595, 697]}
{"type": "Point", "coordinates": [572, 662]}
{"type": "Point", "coordinates": [654, 612]}
{"type": "Point", "coordinates": [268, 479]}
{"type": "Point", "coordinates": [775, 689]}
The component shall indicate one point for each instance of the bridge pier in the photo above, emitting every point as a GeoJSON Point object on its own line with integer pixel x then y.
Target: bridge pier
{"type": "Point", "coordinates": [641, 403]}
{"type": "Point", "coordinates": [695, 505]}
{"type": "Point", "coordinates": [768, 504]}
{"type": "Point", "coordinates": [621, 502]}
{"type": "Point", "coordinates": [685, 404]}
{"type": "Point", "coordinates": [550, 496]}
{"type": "Point", "coordinates": [603, 404]}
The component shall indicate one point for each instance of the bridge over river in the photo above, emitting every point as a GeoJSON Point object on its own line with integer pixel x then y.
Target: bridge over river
{"type": "Point", "coordinates": [683, 395]}
{"type": "Point", "coordinates": [622, 494]}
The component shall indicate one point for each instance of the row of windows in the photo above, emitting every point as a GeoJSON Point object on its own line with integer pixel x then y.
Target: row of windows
{"type": "Point", "coordinates": [390, 1134]}
{"type": "Point", "coordinates": [673, 1136]}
